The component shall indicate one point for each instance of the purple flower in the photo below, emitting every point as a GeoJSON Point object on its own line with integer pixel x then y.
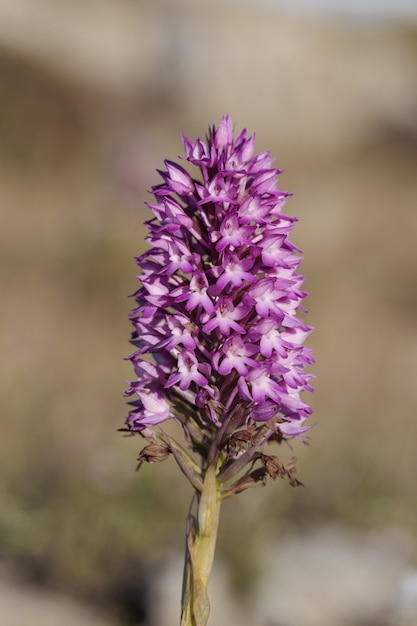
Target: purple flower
{"type": "Point", "coordinates": [218, 302]}
{"type": "Point", "coordinates": [188, 372]}
{"type": "Point", "coordinates": [225, 317]}
{"type": "Point", "coordinates": [235, 355]}
{"type": "Point", "coordinates": [151, 409]}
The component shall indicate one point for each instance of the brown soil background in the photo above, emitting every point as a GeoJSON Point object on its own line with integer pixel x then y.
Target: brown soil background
{"type": "Point", "coordinates": [94, 95]}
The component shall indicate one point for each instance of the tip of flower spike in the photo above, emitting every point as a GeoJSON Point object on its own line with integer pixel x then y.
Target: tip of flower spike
{"type": "Point", "coordinates": [224, 134]}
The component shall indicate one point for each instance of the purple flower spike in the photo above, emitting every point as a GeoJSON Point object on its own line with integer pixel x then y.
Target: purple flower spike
{"type": "Point", "coordinates": [217, 309]}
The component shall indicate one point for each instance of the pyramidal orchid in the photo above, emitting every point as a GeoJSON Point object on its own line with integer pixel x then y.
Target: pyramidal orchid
{"type": "Point", "coordinates": [218, 345]}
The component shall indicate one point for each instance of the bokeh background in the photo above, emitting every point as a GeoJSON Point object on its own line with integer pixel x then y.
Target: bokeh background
{"type": "Point", "coordinates": [94, 94]}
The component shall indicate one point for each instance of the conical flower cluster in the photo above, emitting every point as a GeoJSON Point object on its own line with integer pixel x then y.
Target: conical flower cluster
{"type": "Point", "coordinates": [217, 307]}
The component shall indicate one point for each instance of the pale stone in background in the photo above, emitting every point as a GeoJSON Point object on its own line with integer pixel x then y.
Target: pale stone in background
{"type": "Point", "coordinates": [332, 577]}
{"type": "Point", "coordinates": [23, 605]}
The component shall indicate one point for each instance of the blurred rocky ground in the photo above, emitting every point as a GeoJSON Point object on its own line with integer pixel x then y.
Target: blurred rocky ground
{"type": "Point", "coordinates": [324, 576]}
{"type": "Point", "coordinates": [22, 605]}
{"type": "Point", "coordinates": [93, 96]}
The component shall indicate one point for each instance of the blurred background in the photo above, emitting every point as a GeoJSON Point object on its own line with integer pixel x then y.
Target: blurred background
{"type": "Point", "coordinates": [94, 94]}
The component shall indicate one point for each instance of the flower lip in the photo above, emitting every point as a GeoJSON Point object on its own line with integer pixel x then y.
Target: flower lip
{"type": "Point", "coordinates": [195, 293]}
{"type": "Point", "coordinates": [236, 271]}
{"type": "Point", "coordinates": [235, 354]}
{"type": "Point", "coordinates": [226, 316]}
{"type": "Point", "coordinates": [189, 371]}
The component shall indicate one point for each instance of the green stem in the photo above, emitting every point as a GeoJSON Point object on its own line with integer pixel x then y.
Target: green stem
{"type": "Point", "coordinates": [201, 544]}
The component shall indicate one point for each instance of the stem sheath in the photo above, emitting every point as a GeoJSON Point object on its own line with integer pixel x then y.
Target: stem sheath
{"type": "Point", "coordinates": [200, 548]}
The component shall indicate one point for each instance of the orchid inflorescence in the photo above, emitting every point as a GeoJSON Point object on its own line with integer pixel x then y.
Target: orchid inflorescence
{"type": "Point", "coordinates": [217, 313]}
